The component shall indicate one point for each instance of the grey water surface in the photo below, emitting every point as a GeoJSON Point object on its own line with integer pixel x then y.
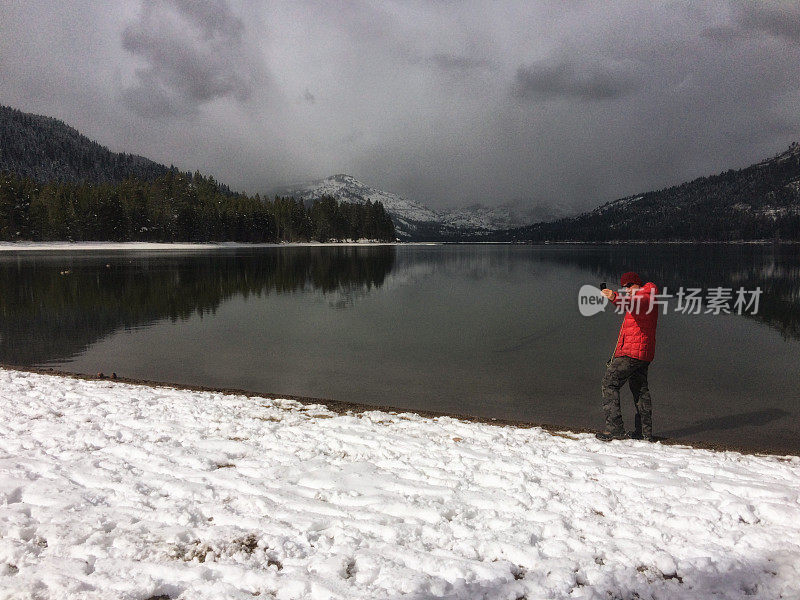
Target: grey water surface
{"type": "Point", "coordinates": [484, 330]}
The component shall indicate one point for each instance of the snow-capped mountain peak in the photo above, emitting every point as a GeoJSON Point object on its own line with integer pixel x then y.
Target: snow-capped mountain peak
{"type": "Point", "coordinates": [414, 220]}
{"type": "Point", "coordinates": [345, 187]}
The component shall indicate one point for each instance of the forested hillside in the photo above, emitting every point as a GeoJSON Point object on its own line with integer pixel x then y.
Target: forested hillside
{"type": "Point", "coordinates": [56, 184]}
{"type": "Point", "coordinates": [176, 207]}
{"type": "Point", "coordinates": [755, 203]}
{"type": "Point", "coordinates": [46, 149]}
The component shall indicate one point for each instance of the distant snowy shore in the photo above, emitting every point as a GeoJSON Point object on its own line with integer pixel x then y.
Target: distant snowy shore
{"type": "Point", "coordinates": [191, 246]}
{"type": "Point", "coordinates": [112, 490]}
{"type": "Point", "coordinates": [27, 246]}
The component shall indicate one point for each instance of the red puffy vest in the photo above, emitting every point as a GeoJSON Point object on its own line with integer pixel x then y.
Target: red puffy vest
{"type": "Point", "coordinates": [637, 336]}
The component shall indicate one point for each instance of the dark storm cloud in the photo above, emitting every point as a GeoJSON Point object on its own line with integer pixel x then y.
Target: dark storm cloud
{"type": "Point", "coordinates": [571, 79]}
{"type": "Point", "coordinates": [195, 53]}
{"type": "Point", "coordinates": [448, 103]}
{"type": "Point", "coordinates": [777, 19]}
{"type": "Point", "coordinates": [214, 17]}
{"type": "Point", "coordinates": [751, 20]}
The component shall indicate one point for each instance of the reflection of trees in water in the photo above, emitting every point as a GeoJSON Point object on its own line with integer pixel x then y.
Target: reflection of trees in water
{"type": "Point", "coordinates": [475, 262]}
{"type": "Point", "coordinates": [775, 269]}
{"type": "Point", "coordinates": [46, 316]}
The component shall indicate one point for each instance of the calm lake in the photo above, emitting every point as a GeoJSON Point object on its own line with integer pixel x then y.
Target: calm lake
{"type": "Point", "coordinates": [485, 330]}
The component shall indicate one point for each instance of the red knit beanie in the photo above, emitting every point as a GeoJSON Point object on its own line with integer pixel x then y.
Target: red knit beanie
{"type": "Point", "coordinates": [630, 278]}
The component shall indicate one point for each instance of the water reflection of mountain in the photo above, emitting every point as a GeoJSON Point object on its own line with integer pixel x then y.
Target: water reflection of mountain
{"type": "Point", "coordinates": [773, 268]}
{"type": "Point", "coordinates": [54, 307]}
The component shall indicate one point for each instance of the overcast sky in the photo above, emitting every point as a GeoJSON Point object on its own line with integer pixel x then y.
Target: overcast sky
{"type": "Point", "coordinates": [566, 102]}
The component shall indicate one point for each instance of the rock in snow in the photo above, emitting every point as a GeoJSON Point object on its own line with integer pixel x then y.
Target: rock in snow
{"type": "Point", "coordinates": [110, 490]}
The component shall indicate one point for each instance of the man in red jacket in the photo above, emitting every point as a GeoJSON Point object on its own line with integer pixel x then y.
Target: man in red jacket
{"type": "Point", "coordinates": [632, 356]}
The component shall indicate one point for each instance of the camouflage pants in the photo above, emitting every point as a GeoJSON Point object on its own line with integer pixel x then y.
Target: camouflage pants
{"type": "Point", "coordinates": [634, 371]}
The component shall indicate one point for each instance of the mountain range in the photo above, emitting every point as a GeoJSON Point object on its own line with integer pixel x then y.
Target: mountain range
{"type": "Point", "coordinates": [758, 202]}
{"type": "Point", "coordinates": [416, 221]}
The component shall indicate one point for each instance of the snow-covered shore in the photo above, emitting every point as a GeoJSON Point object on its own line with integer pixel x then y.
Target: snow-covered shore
{"type": "Point", "coordinates": [111, 490]}
{"type": "Point", "coordinates": [159, 246]}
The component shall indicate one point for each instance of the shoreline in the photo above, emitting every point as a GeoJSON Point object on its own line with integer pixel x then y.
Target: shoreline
{"type": "Point", "coordinates": [28, 246]}
{"type": "Point", "coordinates": [343, 408]}
{"type": "Point", "coordinates": [168, 246]}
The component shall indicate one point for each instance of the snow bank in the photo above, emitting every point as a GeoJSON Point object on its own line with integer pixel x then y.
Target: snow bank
{"type": "Point", "coordinates": [150, 246]}
{"type": "Point", "coordinates": [110, 490]}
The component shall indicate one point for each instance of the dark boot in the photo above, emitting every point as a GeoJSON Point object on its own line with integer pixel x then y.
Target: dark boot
{"type": "Point", "coordinates": [638, 435]}
{"type": "Point", "coordinates": [607, 436]}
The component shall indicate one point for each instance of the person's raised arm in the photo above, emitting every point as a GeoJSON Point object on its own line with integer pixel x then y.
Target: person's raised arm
{"type": "Point", "coordinates": [612, 296]}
